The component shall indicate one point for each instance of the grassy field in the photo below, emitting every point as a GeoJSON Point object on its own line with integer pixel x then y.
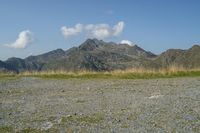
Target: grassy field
{"type": "Point", "coordinates": [135, 73]}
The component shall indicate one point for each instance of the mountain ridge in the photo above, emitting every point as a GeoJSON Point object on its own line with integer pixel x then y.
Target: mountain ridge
{"type": "Point", "coordinates": [97, 55]}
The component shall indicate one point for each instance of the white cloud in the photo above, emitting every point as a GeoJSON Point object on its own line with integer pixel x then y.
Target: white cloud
{"type": "Point", "coordinates": [99, 31]}
{"type": "Point", "coordinates": [117, 29]}
{"type": "Point", "coordinates": [127, 42]}
{"type": "Point", "coordinates": [68, 32]}
{"type": "Point", "coordinates": [24, 38]}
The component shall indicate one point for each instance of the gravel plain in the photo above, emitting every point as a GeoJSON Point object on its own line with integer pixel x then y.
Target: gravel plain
{"type": "Point", "coordinates": [98, 105]}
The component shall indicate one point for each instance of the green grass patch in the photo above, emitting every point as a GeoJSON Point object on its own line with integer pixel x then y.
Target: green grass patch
{"type": "Point", "coordinates": [105, 75]}
{"type": "Point", "coordinates": [30, 130]}
{"type": "Point", "coordinates": [80, 101]}
{"type": "Point", "coordinates": [6, 129]}
{"type": "Point", "coordinates": [125, 125]}
{"type": "Point", "coordinates": [88, 119]}
{"type": "Point", "coordinates": [70, 76]}
{"type": "Point", "coordinates": [7, 77]}
{"type": "Point", "coordinates": [131, 75]}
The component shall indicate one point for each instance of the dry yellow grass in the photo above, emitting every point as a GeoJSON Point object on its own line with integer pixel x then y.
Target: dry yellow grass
{"type": "Point", "coordinates": [172, 71]}
{"type": "Point", "coordinates": [131, 73]}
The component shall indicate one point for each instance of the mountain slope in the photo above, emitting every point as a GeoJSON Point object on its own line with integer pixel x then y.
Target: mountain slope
{"type": "Point", "coordinates": [4, 67]}
{"type": "Point", "coordinates": [35, 62]}
{"type": "Point", "coordinates": [186, 58]}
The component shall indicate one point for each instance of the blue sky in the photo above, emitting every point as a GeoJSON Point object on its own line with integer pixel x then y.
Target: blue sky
{"type": "Point", "coordinates": [155, 25]}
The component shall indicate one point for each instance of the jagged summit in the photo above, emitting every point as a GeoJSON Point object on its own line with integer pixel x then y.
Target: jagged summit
{"type": "Point", "coordinates": [91, 44]}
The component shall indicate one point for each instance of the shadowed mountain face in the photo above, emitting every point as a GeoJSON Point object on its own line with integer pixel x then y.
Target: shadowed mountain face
{"type": "Point", "coordinates": [6, 67]}
{"type": "Point", "coordinates": [97, 55]}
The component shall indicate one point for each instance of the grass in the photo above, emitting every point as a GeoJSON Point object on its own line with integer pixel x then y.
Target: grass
{"type": "Point", "coordinates": [125, 125]}
{"type": "Point", "coordinates": [88, 119]}
{"type": "Point", "coordinates": [30, 130]}
{"type": "Point", "coordinates": [134, 73]}
{"type": "Point", "coordinates": [6, 129]}
{"type": "Point", "coordinates": [80, 101]}
{"type": "Point", "coordinates": [7, 76]}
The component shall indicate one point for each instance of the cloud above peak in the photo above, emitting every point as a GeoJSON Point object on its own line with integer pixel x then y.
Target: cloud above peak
{"type": "Point", "coordinates": [127, 42]}
{"type": "Point", "coordinates": [68, 32]}
{"type": "Point", "coordinates": [99, 31]}
{"type": "Point", "coordinates": [24, 39]}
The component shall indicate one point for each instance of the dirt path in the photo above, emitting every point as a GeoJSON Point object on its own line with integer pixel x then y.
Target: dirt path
{"type": "Point", "coordinates": [158, 105]}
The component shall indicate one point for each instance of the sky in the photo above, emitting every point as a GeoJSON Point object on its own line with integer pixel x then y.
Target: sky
{"type": "Point", "coordinates": [32, 27]}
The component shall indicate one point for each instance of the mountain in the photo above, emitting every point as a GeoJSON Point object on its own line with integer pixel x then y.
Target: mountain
{"type": "Point", "coordinates": [97, 55]}
{"type": "Point", "coordinates": [189, 58]}
{"type": "Point", "coordinates": [4, 67]}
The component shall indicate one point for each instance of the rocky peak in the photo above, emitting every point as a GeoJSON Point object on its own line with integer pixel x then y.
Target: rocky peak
{"type": "Point", "coordinates": [91, 44]}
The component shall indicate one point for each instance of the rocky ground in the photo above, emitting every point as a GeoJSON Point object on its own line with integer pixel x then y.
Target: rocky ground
{"type": "Point", "coordinates": [80, 105]}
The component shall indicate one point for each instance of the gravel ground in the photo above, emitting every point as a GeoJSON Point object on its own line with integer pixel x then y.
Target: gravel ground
{"type": "Point", "coordinates": [77, 105]}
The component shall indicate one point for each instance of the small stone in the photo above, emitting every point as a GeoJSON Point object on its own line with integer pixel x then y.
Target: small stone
{"type": "Point", "coordinates": [47, 125]}
{"type": "Point", "coordinates": [69, 115]}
